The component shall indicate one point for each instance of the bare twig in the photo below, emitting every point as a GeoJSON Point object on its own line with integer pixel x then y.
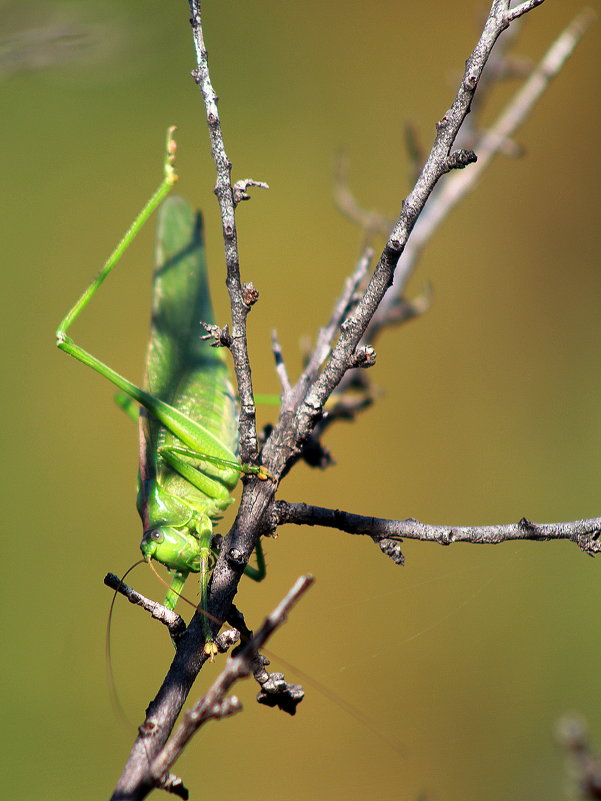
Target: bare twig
{"type": "Point", "coordinates": [214, 703]}
{"type": "Point", "coordinates": [585, 533]}
{"type": "Point", "coordinates": [174, 785]}
{"type": "Point", "coordinates": [280, 364]}
{"type": "Point", "coordinates": [491, 143]}
{"type": "Point", "coordinates": [239, 192]}
{"type": "Point", "coordinates": [228, 198]}
{"type": "Point", "coordinates": [275, 690]}
{"type": "Point", "coordinates": [415, 151]}
{"type": "Point", "coordinates": [175, 624]}
{"type": "Point", "coordinates": [303, 406]}
{"type": "Point", "coordinates": [522, 9]}
{"type": "Point", "coordinates": [437, 164]}
{"type": "Point", "coordinates": [217, 336]}
{"type": "Point", "coordinates": [343, 307]}
{"type": "Point", "coordinates": [372, 222]}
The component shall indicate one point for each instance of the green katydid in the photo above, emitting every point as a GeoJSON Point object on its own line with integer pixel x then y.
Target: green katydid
{"type": "Point", "coordinates": [188, 413]}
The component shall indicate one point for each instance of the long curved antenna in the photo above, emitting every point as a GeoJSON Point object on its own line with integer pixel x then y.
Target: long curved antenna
{"type": "Point", "coordinates": [110, 678]}
{"type": "Point", "coordinates": [166, 584]}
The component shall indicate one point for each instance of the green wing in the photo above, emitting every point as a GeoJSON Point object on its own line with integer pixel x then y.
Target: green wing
{"type": "Point", "coordinates": [181, 368]}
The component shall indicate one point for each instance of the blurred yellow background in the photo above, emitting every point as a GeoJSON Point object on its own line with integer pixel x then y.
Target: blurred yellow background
{"type": "Point", "coordinates": [489, 410]}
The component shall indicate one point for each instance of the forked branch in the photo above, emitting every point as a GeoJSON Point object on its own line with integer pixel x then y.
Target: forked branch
{"type": "Point", "coordinates": [339, 350]}
{"type": "Point", "coordinates": [214, 703]}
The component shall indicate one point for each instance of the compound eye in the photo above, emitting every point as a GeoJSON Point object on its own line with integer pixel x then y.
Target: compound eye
{"type": "Point", "coordinates": [156, 535]}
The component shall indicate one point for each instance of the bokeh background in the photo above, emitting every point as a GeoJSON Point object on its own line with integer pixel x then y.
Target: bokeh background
{"type": "Point", "coordinates": [467, 656]}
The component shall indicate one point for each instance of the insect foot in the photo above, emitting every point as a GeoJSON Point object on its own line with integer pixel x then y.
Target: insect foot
{"type": "Point", "coordinates": [263, 474]}
{"type": "Point", "coordinates": [211, 650]}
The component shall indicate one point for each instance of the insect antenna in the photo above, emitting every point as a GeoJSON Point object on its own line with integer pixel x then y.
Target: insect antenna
{"type": "Point", "coordinates": [165, 584]}
{"type": "Point", "coordinates": [194, 606]}
{"type": "Point", "coordinates": [110, 676]}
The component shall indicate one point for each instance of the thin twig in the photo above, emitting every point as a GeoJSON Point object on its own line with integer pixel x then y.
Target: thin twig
{"type": "Point", "coordinates": [372, 222]}
{"type": "Point", "coordinates": [280, 364]}
{"type": "Point", "coordinates": [275, 690]}
{"type": "Point", "coordinates": [297, 420]}
{"type": "Point", "coordinates": [490, 144]}
{"type": "Point", "coordinates": [311, 450]}
{"type": "Point", "coordinates": [174, 785]}
{"type": "Point", "coordinates": [175, 624]}
{"type": "Point", "coordinates": [239, 192]}
{"type": "Point", "coordinates": [522, 9]}
{"type": "Point", "coordinates": [342, 308]}
{"type": "Point", "coordinates": [585, 533]}
{"type": "Point", "coordinates": [214, 703]}
{"type": "Point", "coordinates": [437, 164]}
{"type": "Point", "coordinates": [228, 198]}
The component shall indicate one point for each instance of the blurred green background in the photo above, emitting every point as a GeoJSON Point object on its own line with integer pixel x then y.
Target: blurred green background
{"type": "Point", "coordinates": [489, 410]}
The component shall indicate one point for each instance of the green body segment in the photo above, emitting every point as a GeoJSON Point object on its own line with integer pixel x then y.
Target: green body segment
{"type": "Point", "coordinates": [181, 495]}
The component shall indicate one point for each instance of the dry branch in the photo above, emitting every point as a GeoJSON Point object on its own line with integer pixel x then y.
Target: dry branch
{"type": "Point", "coordinates": [228, 197]}
{"type": "Point", "coordinates": [214, 704]}
{"type": "Point", "coordinates": [302, 417]}
{"type": "Point", "coordinates": [586, 534]}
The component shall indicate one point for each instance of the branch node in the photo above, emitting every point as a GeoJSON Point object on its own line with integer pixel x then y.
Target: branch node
{"type": "Point", "coordinates": [275, 691]}
{"type": "Point", "coordinates": [174, 785]}
{"type": "Point", "coordinates": [239, 192]}
{"type": "Point", "coordinates": [443, 122]}
{"type": "Point", "coordinates": [364, 357]}
{"type": "Point", "coordinates": [522, 8]}
{"type": "Point", "coordinates": [250, 294]}
{"type": "Point", "coordinates": [175, 624]}
{"type": "Point", "coordinates": [221, 337]}
{"type": "Point", "coordinates": [460, 159]}
{"type": "Point", "coordinates": [347, 325]}
{"type": "Point", "coordinates": [226, 639]}
{"type": "Point", "coordinates": [590, 542]}
{"type": "Point", "coordinates": [446, 537]}
{"type": "Point", "coordinates": [226, 707]}
{"type": "Point", "coordinates": [390, 546]}
{"type": "Point", "coordinates": [147, 728]}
